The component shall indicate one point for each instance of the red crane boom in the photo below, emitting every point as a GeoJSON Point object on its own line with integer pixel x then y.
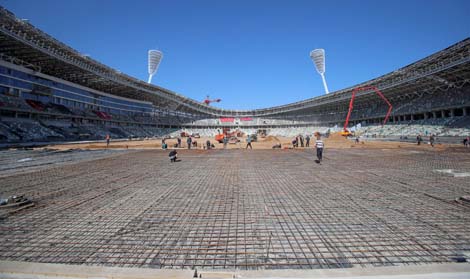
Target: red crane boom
{"type": "Point", "coordinates": [208, 101]}
{"type": "Point", "coordinates": [365, 88]}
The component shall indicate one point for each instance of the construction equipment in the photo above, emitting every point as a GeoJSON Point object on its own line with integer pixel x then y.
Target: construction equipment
{"type": "Point", "coordinates": [233, 140]}
{"type": "Point", "coordinates": [208, 101]}
{"type": "Point", "coordinates": [13, 204]}
{"type": "Point", "coordinates": [226, 132]}
{"type": "Point", "coordinates": [219, 138]}
{"type": "Point", "coordinates": [345, 131]}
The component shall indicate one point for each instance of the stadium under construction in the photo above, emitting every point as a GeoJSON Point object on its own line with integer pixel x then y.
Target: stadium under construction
{"type": "Point", "coordinates": [227, 209]}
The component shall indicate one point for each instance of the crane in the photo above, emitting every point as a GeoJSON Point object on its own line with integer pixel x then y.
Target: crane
{"type": "Point", "coordinates": [345, 131]}
{"type": "Point", "coordinates": [208, 101]}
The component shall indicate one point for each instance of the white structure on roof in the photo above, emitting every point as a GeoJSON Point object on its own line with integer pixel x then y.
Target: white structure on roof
{"type": "Point", "coordinates": [318, 58]}
{"type": "Point", "coordinates": [155, 56]}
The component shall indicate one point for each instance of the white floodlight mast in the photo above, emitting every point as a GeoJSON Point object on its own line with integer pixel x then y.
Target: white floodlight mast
{"type": "Point", "coordinates": [318, 58]}
{"type": "Point", "coordinates": [155, 56]}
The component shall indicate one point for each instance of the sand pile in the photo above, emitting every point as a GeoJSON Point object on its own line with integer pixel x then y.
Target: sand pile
{"type": "Point", "coordinates": [270, 138]}
{"type": "Point", "coordinates": [337, 140]}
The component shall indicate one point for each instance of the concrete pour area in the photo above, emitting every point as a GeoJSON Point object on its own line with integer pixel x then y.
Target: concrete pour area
{"type": "Point", "coordinates": [236, 210]}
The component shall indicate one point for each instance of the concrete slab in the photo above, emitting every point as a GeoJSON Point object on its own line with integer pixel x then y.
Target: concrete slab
{"type": "Point", "coordinates": [25, 270]}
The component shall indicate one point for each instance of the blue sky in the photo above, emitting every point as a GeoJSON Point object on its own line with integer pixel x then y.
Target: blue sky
{"type": "Point", "coordinates": [252, 54]}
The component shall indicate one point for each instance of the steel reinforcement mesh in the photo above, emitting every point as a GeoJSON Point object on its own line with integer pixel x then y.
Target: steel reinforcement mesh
{"type": "Point", "coordinates": [238, 209]}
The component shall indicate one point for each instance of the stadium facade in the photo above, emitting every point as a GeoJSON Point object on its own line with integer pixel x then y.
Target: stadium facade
{"type": "Point", "coordinates": [49, 91]}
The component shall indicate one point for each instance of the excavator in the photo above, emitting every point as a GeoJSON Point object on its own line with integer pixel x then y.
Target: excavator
{"type": "Point", "coordinates": [219, 138]}
{"type": "Point", "coordinates": [232, 136]}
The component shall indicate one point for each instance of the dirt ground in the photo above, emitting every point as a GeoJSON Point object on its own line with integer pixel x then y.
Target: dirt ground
{"type": "Point", "coordinates": [333, 141]}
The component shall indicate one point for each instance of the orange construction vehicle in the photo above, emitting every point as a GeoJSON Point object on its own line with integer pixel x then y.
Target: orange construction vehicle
{"type": "Point", "coordinates": [346, 133]}
{"type": "Point", "coordinates": [219, 138]}
{"type": "Point", "coordinates": [226, 131]}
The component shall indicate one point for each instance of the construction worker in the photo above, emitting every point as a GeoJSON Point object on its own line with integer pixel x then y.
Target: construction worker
{"type": "Point", "coordinates": [179, 141]}
{"type": "Point", "coordinates": [225, 141]}
{"type": "Point", "coordinates": [248, 142]}
{"type": "Point", "coordinates": [294, 142]}
{"type": "Point", "coordinates": [173, 155]}
{"type": "Point", "coordinates": [189, 141]}
{"type": "Point", "coordinates": [108, 138]}
{"type": "Point", "coordinates": [307, 141]}
{"type": "Point", "coordinates": [319, 145]}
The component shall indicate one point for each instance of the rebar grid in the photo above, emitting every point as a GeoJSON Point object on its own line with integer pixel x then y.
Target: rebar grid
{"type": "Point", "coordinates": [237, 209]}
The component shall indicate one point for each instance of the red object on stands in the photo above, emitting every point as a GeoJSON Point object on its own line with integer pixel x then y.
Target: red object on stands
{"type": "Point", "coordinates": [208, 101]}
{"type": "Point", "coordinates": [103, 115]}
{"type": "Point", "coordinates": [365, 88]}
{"type": "Point", "coordinates": [37, 105]}
{"type": "Point", "coordinates": [227, 119]}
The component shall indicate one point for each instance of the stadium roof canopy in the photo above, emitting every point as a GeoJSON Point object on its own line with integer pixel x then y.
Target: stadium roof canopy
{"type": "Point", "coordinates": [22, 43]}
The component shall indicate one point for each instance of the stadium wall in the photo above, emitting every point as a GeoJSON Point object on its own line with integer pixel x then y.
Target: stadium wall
{"type": "Point", "coordinates": [35, 106]}
{"type": "Point", "coordinates": [52, 90]}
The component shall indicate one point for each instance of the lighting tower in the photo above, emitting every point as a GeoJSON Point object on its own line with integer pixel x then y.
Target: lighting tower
{"type": "Point", "coordinates": [155, 56]}
{"type": "Point", "coordinates": [318, 58]}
